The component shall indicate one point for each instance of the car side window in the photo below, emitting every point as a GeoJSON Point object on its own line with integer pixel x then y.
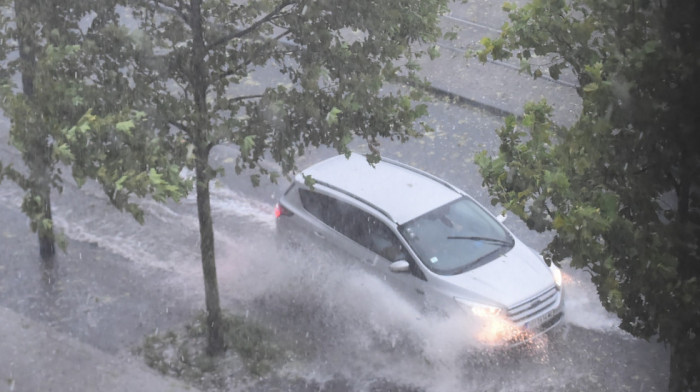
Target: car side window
{"type": "Point", "coordinates": [383, 241]}
{"type": "Point", "coordinates": [320, 206]}
{"type": "Point", "coordinates": [354, 223]}
{"type": "Point", "coordinates": [357, 225]}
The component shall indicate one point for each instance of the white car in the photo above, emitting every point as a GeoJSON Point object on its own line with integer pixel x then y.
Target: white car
{"type": "Point", "coordinates": [429, 240]}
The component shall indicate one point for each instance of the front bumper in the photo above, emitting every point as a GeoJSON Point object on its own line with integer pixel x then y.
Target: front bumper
{"type": "Point", "coordinates": [539, 325]}
{"type": "Point", "coordinates": [503, 332]}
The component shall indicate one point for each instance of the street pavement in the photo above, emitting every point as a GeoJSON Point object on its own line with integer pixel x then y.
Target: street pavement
{"type": "Point", "coordinates": [38, 355]}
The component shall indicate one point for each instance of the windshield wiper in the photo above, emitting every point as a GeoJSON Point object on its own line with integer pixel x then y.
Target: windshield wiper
{"type": "Point", "coordinates": [487, 239]}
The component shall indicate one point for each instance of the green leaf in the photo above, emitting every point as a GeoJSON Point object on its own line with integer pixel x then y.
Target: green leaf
{"type": "Point", "coordinates": [434, 52]}
{"type": "Point", "coordinates": [119, 184]}
{"type": "Point", "coordinates": [61, 241]}
{"type": "Point", "coordinates": [555, 71]}
{"type": "Point", "coordinates": [125, 126]}
{"type": "Point", "coordinates": [155, 178]}
{"type": "Point", "coordinates": [255, 180]}
{"type": "Point", "coordinates": [248, 144]}
{"type": "Point", "coordinates": [309, 181]}
{"type": "Point", "coordinates": [347, 138]}
{"type": "Point", "coordinates": [590, 87]}
{"type": "Point", "coordinates": [450, 36]}
{"type": "Point", "coordinates": [509, 7]}
{"type": "Point", "coordinates": [63, 153]}
{"type": "Point", "coordinates": [558, 222]}
{"type": "Point", "coordinates": [332, 116]}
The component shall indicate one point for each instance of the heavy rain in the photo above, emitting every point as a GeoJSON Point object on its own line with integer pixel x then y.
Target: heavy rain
{"type": "Point", "coordinates": [82, 319]}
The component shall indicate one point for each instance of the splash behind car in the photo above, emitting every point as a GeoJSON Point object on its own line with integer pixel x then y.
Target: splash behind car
{"type": "Point", "coordinates": [429, 240]}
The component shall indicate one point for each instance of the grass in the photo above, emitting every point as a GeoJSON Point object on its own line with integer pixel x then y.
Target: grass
{"type": "Point", "coordinates": [252, 343]}
{"type": "Point", "coordinates": [250, 351]}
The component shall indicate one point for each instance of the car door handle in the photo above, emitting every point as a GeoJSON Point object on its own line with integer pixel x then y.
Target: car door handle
{"type": "Point", "coordinates": [319, 235]}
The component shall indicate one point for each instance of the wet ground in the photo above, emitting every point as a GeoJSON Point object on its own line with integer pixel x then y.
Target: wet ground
{"type": "Point", "coordinates": [344, 330]}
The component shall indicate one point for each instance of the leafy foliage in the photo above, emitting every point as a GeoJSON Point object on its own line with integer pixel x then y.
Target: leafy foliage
{"type": "Point", "coordinates": [332, 59]}
{"type": "Point", "coordinates": [69, 56]}
{"type": "Point", "coordinates": [131, 107]}
{"type": "Point", "coordinates": [194, 63]}
{"type": "Point", "coordinates": [619, 187]}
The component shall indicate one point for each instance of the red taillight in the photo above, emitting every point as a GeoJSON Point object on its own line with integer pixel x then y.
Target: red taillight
{"type": "Point", "coordinates": [280, 210]}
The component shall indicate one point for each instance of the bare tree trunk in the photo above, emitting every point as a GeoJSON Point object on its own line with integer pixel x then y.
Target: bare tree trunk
{"type": "Point", "coordinates": [206, 233]}
{"type": "Point", "coordinates": [206, 229]}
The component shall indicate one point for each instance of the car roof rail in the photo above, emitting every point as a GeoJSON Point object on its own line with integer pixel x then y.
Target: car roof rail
{"type": "Point", "coordinates": [346, 193]}
{"type": "Point", "coordinates": [423, 173]}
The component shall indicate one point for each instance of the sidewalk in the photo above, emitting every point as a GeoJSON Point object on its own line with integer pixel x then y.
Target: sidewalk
{"type": "Point", "coordinates": [497, 88]}
{"type": "Point", "coordinates": [34, 357]}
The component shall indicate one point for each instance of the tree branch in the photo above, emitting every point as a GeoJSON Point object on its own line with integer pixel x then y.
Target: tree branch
{"type": "Point", "coordinates": [180, 125]}
{"type": "Point", "coordinates": [244, 97]}
{"type": "Point", "coordinates": [250, 58]}
{"type": "Point", "coordinates": [281, 35]}
{"type": "Point", "coordinates": [240, 33]}
{"type": "Point", "coordinates": [179, 9]}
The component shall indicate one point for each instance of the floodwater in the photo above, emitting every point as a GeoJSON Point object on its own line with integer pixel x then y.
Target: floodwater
{"type": "Point", "coordinates": [345, 330]}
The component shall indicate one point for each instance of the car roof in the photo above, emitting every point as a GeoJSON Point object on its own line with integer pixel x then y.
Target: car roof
{"type": "Point", "coordinates": [402, 192]}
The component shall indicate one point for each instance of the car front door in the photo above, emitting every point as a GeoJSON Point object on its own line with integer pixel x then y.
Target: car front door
{"type": "Point", "coordinates": [377, 246]}
{"type": "Point", "coordinates": [366, 238]}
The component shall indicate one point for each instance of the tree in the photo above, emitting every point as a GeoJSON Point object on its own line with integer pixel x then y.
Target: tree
{"type": "Point", "coordinates": [73, 109]}
{"type": "Point", "coordinates": [335, 56]}
{"type": "Point", "coordinates": [620, 188]}
{"type": "Point", "coordinates": [29, 133]}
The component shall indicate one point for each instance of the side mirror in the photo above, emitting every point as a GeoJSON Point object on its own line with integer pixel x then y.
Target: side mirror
{"type": "Point", "coordinates": [501, 217]}
{"type": "Point", "coordinates": [399, 266]}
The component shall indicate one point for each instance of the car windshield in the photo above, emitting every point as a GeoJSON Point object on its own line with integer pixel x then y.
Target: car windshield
{"type": "Point", "coordinates": [456, 237]}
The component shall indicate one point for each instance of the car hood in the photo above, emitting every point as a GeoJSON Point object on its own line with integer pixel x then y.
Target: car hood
{"type": "Point", "coordinates": [508, 280]}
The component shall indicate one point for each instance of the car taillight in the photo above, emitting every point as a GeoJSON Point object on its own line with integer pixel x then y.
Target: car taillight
{"type": "Point", "coordinates": [280, 210]}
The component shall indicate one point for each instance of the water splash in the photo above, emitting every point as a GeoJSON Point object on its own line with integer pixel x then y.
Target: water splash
{"type": "Point", "coordinates": [583, 308]}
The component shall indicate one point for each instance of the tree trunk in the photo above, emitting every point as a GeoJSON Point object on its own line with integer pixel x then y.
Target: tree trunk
{"type": "Point", "coordinates": [683, 375]}
{"type": "Point", "coordinates": [685, 357]}
{"type": "Point", "coordinates": [206, 228]}
{"type": "Point", "coordinates": [206, 234]}
{"type": "Point", "coordinates": [39, 151]}
{"type": "Point", "coordinates": [47, 247]}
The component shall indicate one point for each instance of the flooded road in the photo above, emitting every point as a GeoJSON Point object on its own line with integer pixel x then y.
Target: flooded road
{"type": "Point", "coordinates": [345, 330]}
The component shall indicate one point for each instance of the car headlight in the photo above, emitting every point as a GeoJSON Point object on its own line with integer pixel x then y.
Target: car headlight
{"type": "Point", "coordinates": [556, 274]}
{"type": "Point", "coordinates": [481, 310]}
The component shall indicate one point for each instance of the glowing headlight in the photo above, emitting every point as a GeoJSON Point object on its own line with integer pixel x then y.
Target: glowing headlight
{"type": "Point", "coordinates": [480, 310]}
{"type": "Point", "coordinates": [556, 274]}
